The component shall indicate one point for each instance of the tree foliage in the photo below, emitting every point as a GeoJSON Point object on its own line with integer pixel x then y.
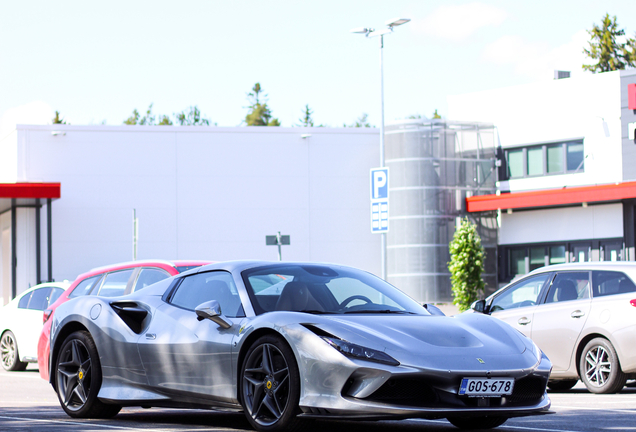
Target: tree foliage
{"type": "Point", "coordinates": [307, 119]}
{"type": "Point", "coordinates": [192, 117]}
{"type": "Point", "coordinates": [188, 117]}
{"type": "Point", "coordinates": [362, 121]}
{"type": "Point", "coordinates": [57, 119]}
{"type": "Point", "coordinates": [259, 114]}
{"type": "Point", "coordinates": [604, 47]}
{"type": "Point", "coordinates": [436, 115]}
{"type": "Point", "coordinates": [466, 265]}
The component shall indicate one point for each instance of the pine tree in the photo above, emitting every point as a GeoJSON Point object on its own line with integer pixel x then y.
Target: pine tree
{"type": "Point", "coordinates": [604, 47]}
{"type": "Point", "coordinates": [260, 114]}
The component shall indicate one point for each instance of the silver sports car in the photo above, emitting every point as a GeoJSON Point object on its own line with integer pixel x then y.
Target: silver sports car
{"type": "Point", "coordinates": [287, 341]}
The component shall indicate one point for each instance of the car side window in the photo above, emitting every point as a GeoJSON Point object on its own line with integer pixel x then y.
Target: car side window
{"type": "Point", "coordinates": [84, 287]}
{"type": "Point", "coordinates": [203, 287]}
{"type": "Point", "coordinates": [524, 293]}
{"type": "Point", "coordinates": [149, 276]}
{"type": "Point", "coordinates": [606, 283]}
{"type": "Point", "coordinates": [39, 299]}
{"type": "Point", "coordinates": [24, 301]}
{"type": "Point", "coordinates": [115, 283]}
{"type": "Point", "coordinates": [55, 294]}
{"type": "Point", "coordinates": [569, 286]}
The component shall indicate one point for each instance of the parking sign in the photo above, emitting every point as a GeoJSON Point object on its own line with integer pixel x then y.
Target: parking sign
{"type": "Point", "coordinates": [379, 200]}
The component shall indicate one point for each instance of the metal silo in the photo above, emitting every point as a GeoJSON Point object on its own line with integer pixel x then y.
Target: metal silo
{"type": "Point", "coordinates": [434, 165]}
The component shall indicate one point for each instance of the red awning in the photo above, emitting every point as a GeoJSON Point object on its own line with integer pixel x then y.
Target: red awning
{"type": "Point", "coordinates": [552, 197]}
{"type": "Point", "coordinates": [30, 190]}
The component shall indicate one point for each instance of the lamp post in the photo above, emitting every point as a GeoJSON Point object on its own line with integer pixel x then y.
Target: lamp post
{"type": "Point", "coordinates": [370, 33]}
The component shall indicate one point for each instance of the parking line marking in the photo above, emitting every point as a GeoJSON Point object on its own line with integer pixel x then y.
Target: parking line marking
{"type": "Point", "coordinates": [77, 423]}
{"type": "Point", "coordinates": [504, 426]}
{"type": "Point", "coordinates": [624, 411]}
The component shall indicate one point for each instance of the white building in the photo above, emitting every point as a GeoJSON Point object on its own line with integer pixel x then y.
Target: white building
{"type": "Point", "coordinates": [199, 193]}
{"type": "Point", "coordinates": [567, 181]}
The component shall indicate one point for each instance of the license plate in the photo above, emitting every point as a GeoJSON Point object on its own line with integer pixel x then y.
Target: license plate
{"type": "Point", "coordinates": [486, 387]}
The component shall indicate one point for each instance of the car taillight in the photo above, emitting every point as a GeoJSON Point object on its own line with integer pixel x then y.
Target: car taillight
{"type": "Point", "coordinates": [633, 302]}
{"type": "Point", "coordinates": [47, 315]}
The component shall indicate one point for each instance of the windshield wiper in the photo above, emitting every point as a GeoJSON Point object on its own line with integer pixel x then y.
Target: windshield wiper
{"type": "Point", "coordinates": [381, 311]}
{"type": "Point", "coordinates": [315, 312]}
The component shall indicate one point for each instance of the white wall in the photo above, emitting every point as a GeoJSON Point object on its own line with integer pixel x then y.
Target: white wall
{"type": "Point", "coordinates": [549, 111]}
{"type": "Point", "coordinates": [8, 156]}
{"type": "Point", "coordinates": [562, 224]}
{"type": "Point", "coordinates": [203, 193]}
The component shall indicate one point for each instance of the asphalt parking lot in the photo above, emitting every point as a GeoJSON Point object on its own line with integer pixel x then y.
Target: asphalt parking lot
{"type": "Point", "coordinates": [28, 403]}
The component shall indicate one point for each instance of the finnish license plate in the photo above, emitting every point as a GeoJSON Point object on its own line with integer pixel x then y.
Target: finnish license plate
{"type": "Point", "coordinates": [486, 387]}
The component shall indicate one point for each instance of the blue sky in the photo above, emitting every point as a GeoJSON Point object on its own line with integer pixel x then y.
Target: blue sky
{"type": "Point", "coordinates": [97, 61]}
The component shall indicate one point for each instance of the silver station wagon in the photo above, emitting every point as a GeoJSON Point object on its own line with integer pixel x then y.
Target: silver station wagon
{"type": "Point", "coordinates": [581, 315]}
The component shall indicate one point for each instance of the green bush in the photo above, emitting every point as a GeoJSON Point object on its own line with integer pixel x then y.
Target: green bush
{"type": "Point", "coordinates": [466, 265]}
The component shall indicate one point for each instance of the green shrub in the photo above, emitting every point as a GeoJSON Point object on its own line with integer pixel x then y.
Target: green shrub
{"type": "Point", "coordinates": [466, 265]}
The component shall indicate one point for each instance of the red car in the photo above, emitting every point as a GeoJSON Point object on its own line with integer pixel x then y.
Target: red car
{"type": "Point", "coordinates": [109, 281]}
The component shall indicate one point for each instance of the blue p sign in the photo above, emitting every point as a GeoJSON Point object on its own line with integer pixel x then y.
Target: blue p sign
{"type": "Point", "coordinates": [379, 183]}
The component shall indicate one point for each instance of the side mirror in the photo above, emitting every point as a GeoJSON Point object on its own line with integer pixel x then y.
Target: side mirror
{"type": "Point", "coordinates": [212, 310]}
{"type": "Point", "coordinates": [434, 310]}
{"type": "Point", "coordinates": [479, 306]}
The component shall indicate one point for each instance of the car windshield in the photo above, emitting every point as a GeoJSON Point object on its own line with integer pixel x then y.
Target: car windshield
{"type": "Point", "coordinates": [321, 289]}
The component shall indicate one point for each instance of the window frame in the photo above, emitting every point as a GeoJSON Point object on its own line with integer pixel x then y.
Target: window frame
{"type": "Point", "coordinates": [544, 154]}
{"type": "Point", "coordinates": [172, 290]}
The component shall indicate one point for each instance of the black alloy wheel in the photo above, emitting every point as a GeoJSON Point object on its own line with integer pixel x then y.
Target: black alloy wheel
{"type": "Point", "coordinates": [78, 377]}
{"type": "Point", "coordinates": [473, 423]}
{"type": "Point", "coordinates": [562, 385]}
{"type": "Point", "coordinates": [600, 369]}
{"type": "Point", "coordinates": [9, 353]}
{"type": "Point", "coordinates": [270, 385]}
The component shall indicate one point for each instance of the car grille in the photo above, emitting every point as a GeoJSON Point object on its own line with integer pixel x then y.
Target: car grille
{"type": "Point", "coordinates": [527, 390]}
{"type": "Point", "coordinates": [406, 391]}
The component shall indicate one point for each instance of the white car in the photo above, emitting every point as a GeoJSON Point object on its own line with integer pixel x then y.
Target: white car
{"type": "Point", "coordinates": [21, 323]}
{"type": "Point", "coordinates": [581, 315]}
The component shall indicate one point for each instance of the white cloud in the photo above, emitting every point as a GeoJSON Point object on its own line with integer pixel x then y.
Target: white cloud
{"type": "Point", "coordinates": [37, 112]}
{"type": "Point", "coordinates": [457, 22]}
{"type": "Point", "coordinates": [538, 60]}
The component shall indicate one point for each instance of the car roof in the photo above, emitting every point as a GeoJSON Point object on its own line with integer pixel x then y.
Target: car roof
{"type": "Point", "coordinates": [62, 284]}
{"type": "Point", "coordinates": [588, 265]}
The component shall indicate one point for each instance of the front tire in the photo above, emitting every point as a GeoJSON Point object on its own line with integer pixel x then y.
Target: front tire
{"type": "Point", "coordinates": [472, 423]}
{"type": "Point", "coordinates": [9, 353]}
{"type": "Point", "coordinates": [600, 369]}
{"type": "Point", "coordinates": [270, 385]}
{"type": "Point", "coordinates": [78, 375]}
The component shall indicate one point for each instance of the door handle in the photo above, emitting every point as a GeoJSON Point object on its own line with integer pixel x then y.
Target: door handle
{"type": "Point", "coordinates": [577, 314]}
{"type": "Point", "coordinates": [151, 336]}
{"type": "Point", "coordinates": [523, 321]}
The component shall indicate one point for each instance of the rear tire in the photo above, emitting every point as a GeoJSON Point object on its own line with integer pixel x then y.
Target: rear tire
{"type": "Point", "coordinates": [600, 369]}
{"type": "Point", "coordinates": [561, 385]}
{"type": "Point", "coordinates": [472, 423]}
{"type": "Point", "coordinates": [9, 353]}
{"type": "Point", "coordinates": [78, 375]}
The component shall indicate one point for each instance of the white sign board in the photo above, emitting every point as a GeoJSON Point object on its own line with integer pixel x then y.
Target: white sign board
{"type": "Point", "coordinates": [379, 200]}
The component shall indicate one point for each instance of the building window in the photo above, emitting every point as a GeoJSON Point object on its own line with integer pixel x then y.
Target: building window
{"type": "Point", "coordinates": [545, 159]}
{"type": "Point", "coordinates": [557, 255]}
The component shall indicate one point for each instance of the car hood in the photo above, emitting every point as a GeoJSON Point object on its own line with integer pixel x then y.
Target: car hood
{"type": "Point", "coordinates": [436, 341]}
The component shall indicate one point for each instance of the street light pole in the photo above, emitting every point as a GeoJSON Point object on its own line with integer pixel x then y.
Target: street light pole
{"type": "Point", "coordinates": [370, 32]}
{"type": "Point", "coordinates": [382, 235]}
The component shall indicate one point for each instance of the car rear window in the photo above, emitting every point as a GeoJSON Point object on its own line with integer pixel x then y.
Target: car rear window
{"type": "Point", "coordinates": [610, 283]}
{"type": "Point", "coordinates": [84, 287]}
{"type": "Point", "coordinates": [115, 283]}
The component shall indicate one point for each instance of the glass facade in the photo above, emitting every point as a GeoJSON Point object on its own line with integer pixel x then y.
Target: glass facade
{"type": "Point", "coordinates": [434, 166]}
{"type": "Point", "coordinates": [545, 159]}
{"type": "Point", "coordinates": [519, 259]}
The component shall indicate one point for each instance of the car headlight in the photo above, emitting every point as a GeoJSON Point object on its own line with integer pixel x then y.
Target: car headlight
{"type": "Point", "coordinates": [359, 352]}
